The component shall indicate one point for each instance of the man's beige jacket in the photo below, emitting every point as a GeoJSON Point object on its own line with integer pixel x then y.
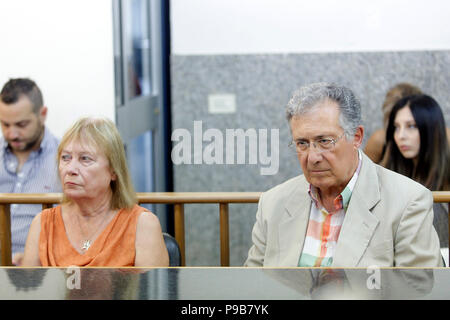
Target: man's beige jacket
{"type": "Point", "coordinates": [388, 223]}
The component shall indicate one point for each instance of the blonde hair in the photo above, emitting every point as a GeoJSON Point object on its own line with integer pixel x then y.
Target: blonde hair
{"type": "Point", "coordinates": [103, 134]}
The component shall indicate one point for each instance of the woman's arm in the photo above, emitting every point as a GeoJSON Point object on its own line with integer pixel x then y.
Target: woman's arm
{"type": "Point", "coordinates": [31, 254]}
{"type": "Point", "coordinates": [151, 250]}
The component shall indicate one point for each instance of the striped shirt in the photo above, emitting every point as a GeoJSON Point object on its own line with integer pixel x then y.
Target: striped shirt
{"type": "Point", "coordinates": [324, 227]}
{"type": "Point", "coordinates": [39, 174]}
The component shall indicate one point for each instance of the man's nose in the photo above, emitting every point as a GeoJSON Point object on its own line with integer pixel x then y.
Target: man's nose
{"type": "Point", "coordinates": [12, 133]}
{"type": "Point", "coordinates": [314, 155]}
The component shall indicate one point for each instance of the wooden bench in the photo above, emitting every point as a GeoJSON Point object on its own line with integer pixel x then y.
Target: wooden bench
{"type": "Point", "coordinates": [178, 199]}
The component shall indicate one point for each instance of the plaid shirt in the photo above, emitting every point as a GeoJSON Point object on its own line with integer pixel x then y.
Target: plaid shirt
{"type": "Point", "coordinates": [324, 227]}
{"type": "Point", "coordinates": [39, 174]}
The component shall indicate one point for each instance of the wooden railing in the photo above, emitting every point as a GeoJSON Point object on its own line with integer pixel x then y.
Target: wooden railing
{"type": "Point", "coordinates": [178, 199]}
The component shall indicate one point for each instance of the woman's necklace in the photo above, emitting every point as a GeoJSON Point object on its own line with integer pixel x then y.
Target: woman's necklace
{"type": "Point", "coordinates": [88, 240]}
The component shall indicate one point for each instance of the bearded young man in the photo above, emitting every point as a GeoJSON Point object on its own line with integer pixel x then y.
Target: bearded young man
{"type": "Point", "coordinates": [27, 154]}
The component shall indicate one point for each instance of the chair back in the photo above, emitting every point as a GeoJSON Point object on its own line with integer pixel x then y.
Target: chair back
{"type": "Point", "coordinates": [174, 250]}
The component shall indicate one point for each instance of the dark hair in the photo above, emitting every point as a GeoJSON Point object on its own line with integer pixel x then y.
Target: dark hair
{"type": "Point", "coordinates": [394, 94]}
{"type": "Point", "coordinates": [14, 89]}
{"type": "Point", "coordinates": [433, 161]}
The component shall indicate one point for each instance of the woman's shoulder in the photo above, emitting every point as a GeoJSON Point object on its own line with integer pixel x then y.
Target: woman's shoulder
{"type": "Point", "coordinates": [148, 217]}
{"type": "Point", "coordinates": [49, 212]}
{"type": "Point", "coordinates": [374, 146]}
{"type": "Point", "coordinates": [142, 215]}
{"type": "Point", "coordinates": [45, 218]}
{"type": "Point", "coordinates": [378, 137]}
{"type": "Point", "coordinates": [137, 209]}
{"type": "Point", "coordinates": [37, 219]}
{"type": "Point", "coordinates": [145, 218]}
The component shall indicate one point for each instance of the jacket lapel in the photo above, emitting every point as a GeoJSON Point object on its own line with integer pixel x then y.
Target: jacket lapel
{"type": "Point", "coordinates": [359, 222]}
{"type": "Point", "coordinates": [293, 226]}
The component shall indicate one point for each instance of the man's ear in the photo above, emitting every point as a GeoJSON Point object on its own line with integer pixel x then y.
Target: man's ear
{"type": "Point", "coordinates": [43, 113]}
{"type": "Point", "coordinates": [359, 136]}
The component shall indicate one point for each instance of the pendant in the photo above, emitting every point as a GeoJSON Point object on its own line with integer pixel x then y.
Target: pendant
{"type": "Point", "coordinates": [86, 244]}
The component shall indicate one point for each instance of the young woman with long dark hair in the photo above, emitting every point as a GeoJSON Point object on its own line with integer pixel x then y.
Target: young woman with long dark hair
{"type": "Point", "coordinates": [417, 147]}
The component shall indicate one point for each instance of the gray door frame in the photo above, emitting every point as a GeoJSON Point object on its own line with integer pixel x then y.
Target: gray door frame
{"type": "Point", "coordinates": [138, 115]}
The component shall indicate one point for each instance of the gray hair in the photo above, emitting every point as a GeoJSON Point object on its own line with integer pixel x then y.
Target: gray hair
{"type": "Point", "coordinates": [306, 98]}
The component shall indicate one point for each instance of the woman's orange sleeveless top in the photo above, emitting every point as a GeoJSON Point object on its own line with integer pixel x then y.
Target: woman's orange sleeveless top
{"type": "Point", "coordinates": [114, 247]}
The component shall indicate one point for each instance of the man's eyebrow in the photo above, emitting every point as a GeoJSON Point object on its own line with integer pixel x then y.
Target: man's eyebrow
{"type": "Point", "coordinates": [314, 138]}
{"type": "Point", "coordinates": [15, 123]}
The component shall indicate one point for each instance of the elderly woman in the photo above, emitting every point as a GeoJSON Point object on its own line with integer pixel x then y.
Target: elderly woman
{"type": "Point", "coordinates": [99, 222]}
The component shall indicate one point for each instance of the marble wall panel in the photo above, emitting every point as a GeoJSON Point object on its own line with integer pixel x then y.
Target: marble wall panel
{"type": "Point", "coordinates": [263, 85]}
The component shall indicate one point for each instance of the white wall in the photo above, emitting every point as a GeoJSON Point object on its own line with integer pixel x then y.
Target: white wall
{"type": "Point", "coordinates": [295, 26]}
{"type": "Point", "coordinates": [66, 47]}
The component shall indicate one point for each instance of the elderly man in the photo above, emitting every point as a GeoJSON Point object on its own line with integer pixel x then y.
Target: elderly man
{"type": "Point", "coordinates": [27, 154]}
{"type": "Point", "coordinates": [344, 211]}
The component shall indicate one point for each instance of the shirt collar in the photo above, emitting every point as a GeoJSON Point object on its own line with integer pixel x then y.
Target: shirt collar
{"type": "Point", "coordinates": [45, 140]}
{"type": "Point", "coordinates": [342, 200]}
